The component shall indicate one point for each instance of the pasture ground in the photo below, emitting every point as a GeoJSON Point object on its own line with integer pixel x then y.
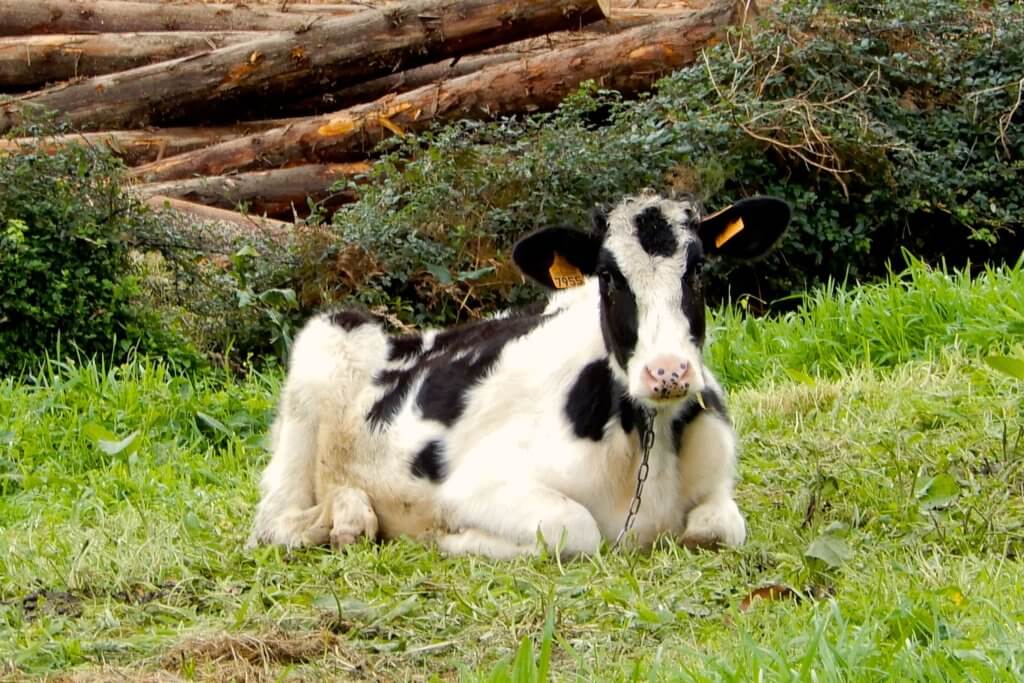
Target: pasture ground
{"type": "Point", "coordinates": [882, 479]}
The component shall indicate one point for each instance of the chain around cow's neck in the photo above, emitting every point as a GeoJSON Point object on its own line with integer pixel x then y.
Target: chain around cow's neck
{"type": "Point", "coordinates": [646, 425]}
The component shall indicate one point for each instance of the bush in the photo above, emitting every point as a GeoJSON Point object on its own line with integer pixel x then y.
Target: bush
{"type": "Point", "coordinates": [65, 271]}
{"type": "Point", "coordinates": [887, 126]}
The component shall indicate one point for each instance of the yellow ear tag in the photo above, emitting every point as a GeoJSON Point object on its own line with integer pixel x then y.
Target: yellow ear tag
{"type": "Point", "coordinates": [729, 232]}
{"type": "Point", "coordinates": [564, 274]}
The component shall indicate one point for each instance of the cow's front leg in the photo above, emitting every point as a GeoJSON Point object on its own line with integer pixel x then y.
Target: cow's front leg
{"type": "Point", "coordinates": [502, 519]}
{"type": "Point", "coordinates": [707, 470]}
{"type": "Point", "coordinates": [480, 542]}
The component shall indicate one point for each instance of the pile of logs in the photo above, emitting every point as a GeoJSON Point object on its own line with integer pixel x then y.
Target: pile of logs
{"type": "Point", "coordinates": [265, 105]}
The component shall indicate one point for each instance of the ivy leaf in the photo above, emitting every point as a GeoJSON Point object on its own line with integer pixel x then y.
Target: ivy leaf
{"type": "Point", "coordinates": [279, 297]}
{"type": "Point", "coordinates": [938, 492]}
{"type": "Point", "coordinates": [830, 549]}
{"type": "Point", "coordinates": [440, 273]}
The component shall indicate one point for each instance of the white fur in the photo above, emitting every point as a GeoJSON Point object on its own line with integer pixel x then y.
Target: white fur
{"type": "Point", "coordinates": [516, 471]}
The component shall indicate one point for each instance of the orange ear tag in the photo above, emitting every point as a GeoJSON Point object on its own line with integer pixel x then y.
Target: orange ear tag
{"type": "Point", "coordinates": [564, 274]}
{"type": "Point", "coordinates": [729, 232]}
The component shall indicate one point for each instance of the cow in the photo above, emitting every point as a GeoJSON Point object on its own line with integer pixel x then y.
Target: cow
{"type": "Point", "coordinates": [530, 430]}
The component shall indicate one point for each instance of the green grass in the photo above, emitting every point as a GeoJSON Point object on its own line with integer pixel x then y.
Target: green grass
{"type": "Point", "coordinates": [882, 476]}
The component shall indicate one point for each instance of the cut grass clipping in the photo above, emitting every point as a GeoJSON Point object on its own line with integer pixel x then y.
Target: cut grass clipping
{"type": "Point", "coordinates": [882, 476]}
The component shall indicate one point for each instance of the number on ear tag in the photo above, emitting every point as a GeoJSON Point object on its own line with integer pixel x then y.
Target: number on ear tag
{"type": "Point", "coordinates": [729, 232]}
{"type": "Point", "coordinates": [564, 274]}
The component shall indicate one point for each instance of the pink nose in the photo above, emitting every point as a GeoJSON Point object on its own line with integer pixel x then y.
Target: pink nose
{"type": "Point", "coordinates": [668, 377]}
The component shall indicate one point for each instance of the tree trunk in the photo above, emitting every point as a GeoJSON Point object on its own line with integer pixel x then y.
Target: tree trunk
{"type": "Point", "coordinates": [273, 228]}
{"type": "Point", "coordinates": [628, 61]}
{"type": "Point", "coordinates": [136, 147]}
{"type": "Point", "coordinates": [274, 193]}
{"type": "Point", "coordinates": [27, 17]}
{"type": "Point", "coordinates": [27, 61]}
{"type": "Point", "coordinates": [346, 50]}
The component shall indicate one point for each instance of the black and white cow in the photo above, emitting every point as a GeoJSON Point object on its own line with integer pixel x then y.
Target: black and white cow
{"type": "Point", "coordinates": [481, 436]}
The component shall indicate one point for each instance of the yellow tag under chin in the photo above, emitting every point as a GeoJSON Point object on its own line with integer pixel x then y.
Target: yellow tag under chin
{"type": "Point", "coordinates": [564, 274]}
{"type": "Point", "coordinates": [729, 232]}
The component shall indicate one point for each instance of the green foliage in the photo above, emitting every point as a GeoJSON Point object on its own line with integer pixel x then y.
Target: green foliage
{"type": "Point", "coordinates": [65, 268]}
{"type": "Point", "coordinates": [887, 126]}
{"type": "Point", "coordinates": [908, 316]}
{"type": "Point", "coordinates": [232, 294]}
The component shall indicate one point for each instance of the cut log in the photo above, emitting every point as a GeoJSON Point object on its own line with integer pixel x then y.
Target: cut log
{"type": "Point", "coordinates": [628, 62]}
{"type": "Point", "coordinates": [136, 147]}
{"type": "Point", "coordinates": [274, 193]}
{"type": "Point", "coordinates": [308, 6]}
{"type": "Point", "coordinates": [29, 17]}
{"type": "Point", "coordinates": [348, 50]}
{"type": "Point", "coordinates": [31, 61]}
{"type": "Point", "coordinates": [394, 84]}
{"type": "Point", "coordinates": [210, 213]}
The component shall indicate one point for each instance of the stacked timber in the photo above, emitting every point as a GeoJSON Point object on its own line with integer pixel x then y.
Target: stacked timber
{"type": "Point", "coordinates": [269, 104]}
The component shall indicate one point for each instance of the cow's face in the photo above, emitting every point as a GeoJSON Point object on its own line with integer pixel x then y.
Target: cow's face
{"type": "Point", "coordinates": [647, 254]}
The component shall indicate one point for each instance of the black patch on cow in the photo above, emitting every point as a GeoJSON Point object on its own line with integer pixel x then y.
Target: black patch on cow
{"type": "Point", "coordinates": [618, 310]}
{"type": "Point", "coordinates": [350, 319]}
{"type": "Point", "coordinates": [404, 347]}
{"type": "Point", "coordinates": [454, 363]}
{"type": "Point", "coordinates": [693, 293]}
{"type": "Point", "coordinates": [442, 396]}
{"type": "Point", "coordinates": [387, 406]}
{"type": "Point", "coordinates": [655, 233]}
{"type": "Point", "coordinates": [429, 463]}
{"type": "Point", "coordinates": [691, 410]}
{"type": "Point", "coordinates": [590, 404]}
{"type": "Point", "coordinates": [629, 415]}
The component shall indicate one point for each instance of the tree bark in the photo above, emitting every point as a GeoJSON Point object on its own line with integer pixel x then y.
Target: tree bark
{"type": "Point", "coordinates": [31, 17]}
{"type": "Point", "coordinates": [345, 50]}
{"type": "Point", "coordinates": [210, 213]}
{"type": "Point", "coordinates": [274, 193]}
{"type": "Point", "coordinates": [136, 147]}
{"type": "Point", "coordinates": [401, 82]}
{"type": "Point", "coordinates": [27, 61]}
{"type": "Point", "coordinates": [628, 61]}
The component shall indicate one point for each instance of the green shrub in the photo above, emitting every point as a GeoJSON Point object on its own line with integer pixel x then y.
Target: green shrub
{"type": "Point", "coordinates": [65, 271]}
{"type": "Point", "coordinates": [886, 125]}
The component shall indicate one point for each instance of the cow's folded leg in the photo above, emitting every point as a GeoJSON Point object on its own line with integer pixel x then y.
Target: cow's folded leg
{"type": "Point", "coordinates": [478, 542]}
{"type": "Point", "coordinates": [517, 511]}
{"type": "Point", "coordinates": [707, 466]}
{"type": "Point", "coordinates": [287, 514]}
{"type": "Point", "coordinates": [353, 516]}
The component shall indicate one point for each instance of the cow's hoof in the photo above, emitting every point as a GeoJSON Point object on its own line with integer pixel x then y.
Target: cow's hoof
{"type": "Point", "coordinates": [713, 525]}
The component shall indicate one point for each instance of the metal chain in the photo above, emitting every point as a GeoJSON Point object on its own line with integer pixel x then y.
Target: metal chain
{"type": "Point", "coordinates": [646, 442]}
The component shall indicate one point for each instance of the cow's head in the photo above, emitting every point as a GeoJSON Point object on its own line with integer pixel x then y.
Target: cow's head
{"type": "Point", "coordinates": [647, 254]}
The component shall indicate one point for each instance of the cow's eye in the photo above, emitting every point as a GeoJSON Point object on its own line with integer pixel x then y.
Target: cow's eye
{"type": "Point", "coordinates": [605, 276]}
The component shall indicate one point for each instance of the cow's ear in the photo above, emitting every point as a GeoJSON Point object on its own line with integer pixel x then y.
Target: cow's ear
{"type": "Point", "coordinates": [557, 258]}
{"type": "Point", "coordinates": [747, 230]}
{"type": "Point", "coordinates": [599, 221]}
